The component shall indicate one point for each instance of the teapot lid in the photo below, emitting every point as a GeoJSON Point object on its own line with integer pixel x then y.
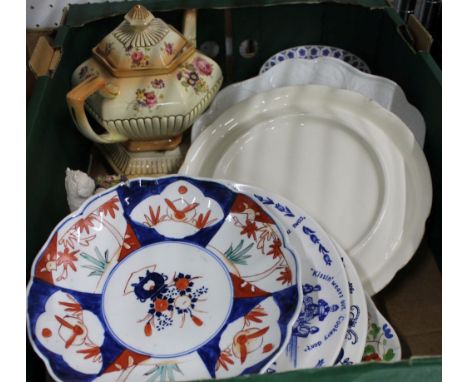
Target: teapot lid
{"type": "Point", "coordinates": [142, 45]}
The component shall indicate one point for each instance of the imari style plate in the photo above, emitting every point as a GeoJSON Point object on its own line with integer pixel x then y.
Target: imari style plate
{"type": "Point", "coordinates": [174, 278]}
{"type": "Point", "coordinates": [320, 330]}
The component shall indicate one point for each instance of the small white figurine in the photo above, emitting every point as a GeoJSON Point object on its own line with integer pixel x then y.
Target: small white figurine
{"type": "Point", "coordinates": [79, 187]}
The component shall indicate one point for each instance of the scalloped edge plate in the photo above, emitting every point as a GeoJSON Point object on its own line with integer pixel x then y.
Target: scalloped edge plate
{"type": "Point", "coordinates": [320, 71]}
{"type": "Point", "coordinates": [412, 194]}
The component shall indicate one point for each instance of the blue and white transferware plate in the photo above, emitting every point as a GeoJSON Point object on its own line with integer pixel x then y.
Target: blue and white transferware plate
{"type": "Point", "coordinates": [355, 339]}
{"type": "Point", "coordinates": [175, 278]}
{"type": "Point", "coordinates": [322, 325]}
{"type": "Point", "coordinates": [309, 52]}
{"type": "Point", "coordinates": [382, 343]}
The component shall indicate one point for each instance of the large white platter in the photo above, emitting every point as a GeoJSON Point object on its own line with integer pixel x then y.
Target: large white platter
{"type": "Point", "coordinates": [347, 161]}
{"type": "Point", "coordinates": [326, 71]}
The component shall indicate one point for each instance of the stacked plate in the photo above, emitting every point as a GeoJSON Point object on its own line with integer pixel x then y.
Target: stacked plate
{"type": "Point", "coordinates": [310, 52]}
{"type": "Point", "coordinates": [345, 146]}
{"type": "Point", "coordinates": [324, 198]}
{"type": "Point", "coordinates": [345, 159]}
{"type": "Point", "coordinates": [189, 279]}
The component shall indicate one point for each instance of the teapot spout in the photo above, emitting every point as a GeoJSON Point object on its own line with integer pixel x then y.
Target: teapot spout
{"type": "Point", "coordinates": [190, 26]}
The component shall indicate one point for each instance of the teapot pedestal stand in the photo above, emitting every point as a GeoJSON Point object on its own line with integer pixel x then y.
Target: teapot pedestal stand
{"type": "Point", "coordinates": [153, 145]}
{"type": "Point", "coordinates": [136, 158]}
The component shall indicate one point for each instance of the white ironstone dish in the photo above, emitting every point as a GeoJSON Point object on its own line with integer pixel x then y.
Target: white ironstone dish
{"type": "Point", "coordinates": [319, 332]}
{"type": "Point", "coordinates": [326, 71]}
{"type": "Point", "coordinates": [344, 159]}
{"type": "Point", "coordinates": [176, 276]}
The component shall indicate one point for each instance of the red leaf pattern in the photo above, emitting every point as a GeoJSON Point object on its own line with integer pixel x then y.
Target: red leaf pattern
{"type": "Point", "coordinates": [110, 207]}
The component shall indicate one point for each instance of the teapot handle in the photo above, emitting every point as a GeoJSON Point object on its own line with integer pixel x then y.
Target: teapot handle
{"type": "Point", "coordinates": [76, 99]}
{"type": "Point", "coordinates": [190, 26]}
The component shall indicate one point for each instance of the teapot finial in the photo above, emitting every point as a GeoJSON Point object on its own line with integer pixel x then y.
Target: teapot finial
{"type": "Point", "coordinates": [139, 16]}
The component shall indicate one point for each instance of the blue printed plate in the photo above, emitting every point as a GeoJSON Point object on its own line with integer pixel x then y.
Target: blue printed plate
{"type": "Point", "coordinates": [169, 278]}
{"type": "Point", "coordinates": [319, 332]}
{"type": "Point", "coordinates": [355, 339]}
{"type": "Point", "coordinates": [310, 52]}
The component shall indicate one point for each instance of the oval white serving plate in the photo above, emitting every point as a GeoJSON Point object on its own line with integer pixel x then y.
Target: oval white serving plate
{"type": "Point", "coordinates": [348, 162]}
{"type": "Point", "coordinates": [326, 71]}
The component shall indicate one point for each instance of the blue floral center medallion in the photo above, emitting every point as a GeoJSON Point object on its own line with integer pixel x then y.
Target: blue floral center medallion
{"type": "Point", "coordinates": [175, 296]}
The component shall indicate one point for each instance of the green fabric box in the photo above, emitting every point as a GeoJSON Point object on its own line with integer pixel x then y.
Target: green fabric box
{"type": "Point", "coordinates": [369, 28]}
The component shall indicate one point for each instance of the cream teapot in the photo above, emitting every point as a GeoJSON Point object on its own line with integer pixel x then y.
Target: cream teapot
{"type": "Point", "coordinates": [145, 82]}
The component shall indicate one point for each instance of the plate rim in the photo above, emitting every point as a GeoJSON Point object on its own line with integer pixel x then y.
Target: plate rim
{"type": "Point", "coordinates": [265, 67]}
{"type": "Point", "coordinates": [362, 297]}
{"type": "Point", "coordinates": [406, 111]}
{"type": "Point", "coordinates": [379, 317]}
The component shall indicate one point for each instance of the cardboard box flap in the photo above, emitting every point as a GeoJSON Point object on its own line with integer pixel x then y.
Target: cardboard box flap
{"type": "Point", "coordinates": [422, 38]}
{"type": "Point", "coordinates": [44, 59]}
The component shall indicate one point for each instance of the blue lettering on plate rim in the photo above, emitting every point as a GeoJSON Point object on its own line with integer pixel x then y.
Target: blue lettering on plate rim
{"type": "Point", "coordinates": [306, 230]}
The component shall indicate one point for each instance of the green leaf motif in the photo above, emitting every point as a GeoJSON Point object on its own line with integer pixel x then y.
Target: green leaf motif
{"type": "Point", "coordinates": [98, 263]}
{"type": "Point", "coordinates": [94, 269]}
{"type": "Point", "coordinates": [369, 349]}
{"type": "Point", "coordinates": [163, 373]}
{"type": "Point", "coordinates": [374, 330]}
{"type": "Point", "coordinates": [238, 255]}
{"type": "Point", "coordinates": [93, 260]}
{"type": "Point", "coordinates": [389, 355]}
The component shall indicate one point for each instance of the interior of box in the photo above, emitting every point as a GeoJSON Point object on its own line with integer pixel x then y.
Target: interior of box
{"type": "Point", "coordinates": [412, 302]}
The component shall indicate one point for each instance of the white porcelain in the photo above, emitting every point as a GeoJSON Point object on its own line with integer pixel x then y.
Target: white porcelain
{"type": "Point", "coordinates": [326, 71]}
{"type": "Point", "coordinates": [79, 186]}
{"type": "Point", "coordinates": [345, 160]}
{"type": "Point", "coordinates": [382, 343]}
{"type": "Point", "coordinates": [309, 52]}
{"type": "Point", "coordinates": [175, 276]}
{"type": "Point", "coordinates": [320, 330]}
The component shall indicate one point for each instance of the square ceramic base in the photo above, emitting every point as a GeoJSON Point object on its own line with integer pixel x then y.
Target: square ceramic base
{"type": "Point", "coordinates": [149, 163]}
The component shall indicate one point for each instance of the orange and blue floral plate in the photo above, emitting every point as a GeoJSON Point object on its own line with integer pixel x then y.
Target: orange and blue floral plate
{"type": "Point", "coordinates": [175, 278]}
